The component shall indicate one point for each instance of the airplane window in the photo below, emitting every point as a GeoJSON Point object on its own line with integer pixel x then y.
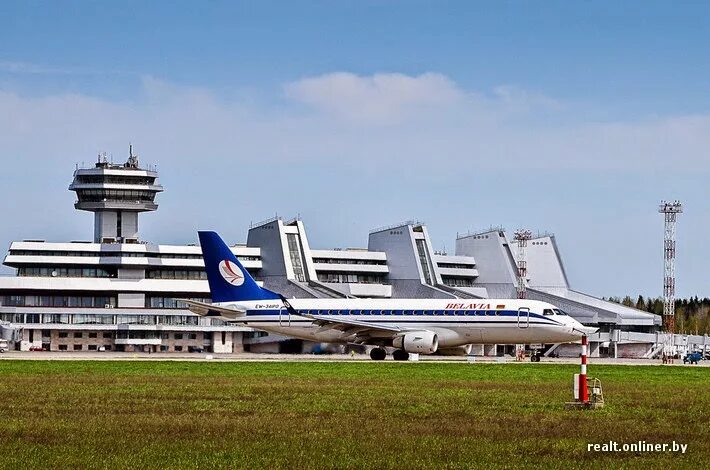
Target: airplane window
{"type": "Point", "coordinates": [376, 312]}
{"type": "Point", "coordinates": [354, 312]}
{"type": "Point", "coordinates": [418, 312]}
{"type": "Point", "coordinates": [313, 312]}
{"type": "Point", "coordinates": [439, 312]}
{"type": "Point", "coordinates": [560, 312]}
{"type": "Point", "coordinates": [387, 312]}
{"type": "Point", "coordinates": [345, 312]}
{"type": "Point", "coordinates": [407, 312]}
{"type": "Point", "coordinates": [323, 312]}
{"type": "Point", "coordinates": [398, 312]}
{"type": "Point", "coordinates": [490, 313]}
{"type": "Point", "coordinates": [547, 312]}
{"type": "Point", "coordinates": [366, 312]}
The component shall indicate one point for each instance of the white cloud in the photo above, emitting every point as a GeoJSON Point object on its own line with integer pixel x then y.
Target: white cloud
{"type": "Point", "coordinates": [425, 124]}
{"type": "Point", "coordinates": [379, 98]}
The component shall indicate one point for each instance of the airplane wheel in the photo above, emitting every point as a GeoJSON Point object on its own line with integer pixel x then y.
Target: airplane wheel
{"type": "Point", "coordinates": [378, 354]}
{"type": "Point", "coordinates": [400, 355]}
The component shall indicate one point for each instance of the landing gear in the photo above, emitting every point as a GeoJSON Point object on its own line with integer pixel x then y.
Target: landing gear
{"type": "Point", "coordinates": [400, 355]}
{"type": "Point", "coordinates": [378, 354]}
{"type": "Point", "coordinates": [535, 356]}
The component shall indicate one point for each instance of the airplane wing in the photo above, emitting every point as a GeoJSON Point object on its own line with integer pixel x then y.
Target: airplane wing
{"type": "Point", "coordinates": [209, 310]}
{"type": "Point", "coordinates": [360, 331]}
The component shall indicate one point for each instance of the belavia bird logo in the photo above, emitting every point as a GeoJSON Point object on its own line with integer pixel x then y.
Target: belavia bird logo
{"type": "Point", "coordinates": [231, 273]}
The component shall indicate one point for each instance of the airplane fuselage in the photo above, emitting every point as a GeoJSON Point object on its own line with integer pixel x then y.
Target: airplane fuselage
{"type": "Point", "coordinates": [456, 322]}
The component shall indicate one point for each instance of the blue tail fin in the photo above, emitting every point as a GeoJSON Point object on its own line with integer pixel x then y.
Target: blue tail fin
{"type": "Point", "coordinates": [228, 280]}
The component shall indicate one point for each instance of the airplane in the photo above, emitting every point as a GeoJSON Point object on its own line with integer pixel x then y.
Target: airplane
{"type": "Point", "coordinates": [422, 326]}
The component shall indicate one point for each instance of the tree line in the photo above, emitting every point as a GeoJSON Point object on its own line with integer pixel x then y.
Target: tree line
{"type": "Point", "coordinates": [692, 315]}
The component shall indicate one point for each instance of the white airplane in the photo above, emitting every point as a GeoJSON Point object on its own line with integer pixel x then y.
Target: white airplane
{"type": "Point", "coordinates": [424, 326]}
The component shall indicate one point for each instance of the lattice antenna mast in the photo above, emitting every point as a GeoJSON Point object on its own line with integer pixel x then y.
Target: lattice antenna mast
{"type": "Point", "coordinates": [522, 237]}
{"type": "Point", "coordinates": [670, 211]}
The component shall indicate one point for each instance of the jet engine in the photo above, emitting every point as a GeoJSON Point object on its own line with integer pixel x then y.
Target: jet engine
{"type": "Point", "coordinates": [422, 342]}
{"type": "Point", "coordinates": [464, 350]}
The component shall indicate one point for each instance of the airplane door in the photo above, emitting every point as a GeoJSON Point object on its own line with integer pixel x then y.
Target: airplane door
{"type": "Point", "coordinates": [284, 317]}
{"type": "Point", "coordinates": [523, 317]}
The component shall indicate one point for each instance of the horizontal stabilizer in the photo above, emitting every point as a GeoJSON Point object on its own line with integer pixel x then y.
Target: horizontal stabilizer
{"type": "Point", "coordinates": [211, 310]}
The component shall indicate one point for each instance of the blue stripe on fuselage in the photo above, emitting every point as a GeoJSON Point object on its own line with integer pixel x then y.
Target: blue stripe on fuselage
{"type": "Point", "coordinates": [427, 315]}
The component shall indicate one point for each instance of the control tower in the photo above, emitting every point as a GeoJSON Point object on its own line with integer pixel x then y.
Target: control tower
{"type": "Point", "coordinates": [116, 193]}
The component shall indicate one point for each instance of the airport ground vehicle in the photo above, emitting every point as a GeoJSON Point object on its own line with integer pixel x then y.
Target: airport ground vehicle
{"type": "Point", "coordinates": [4, 346]}
{"type": "Point", "coordinates": [692, 358]}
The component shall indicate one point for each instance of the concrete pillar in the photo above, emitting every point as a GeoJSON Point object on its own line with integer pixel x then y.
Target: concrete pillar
{"type": "Point", "coordinates": [594, 349]}
{"type": "Point", "coordinates": [31, 338]}
{"type": "Point", "coordinates": [237, 342]}
{"type": "Point", "coordinates": [221, 342]}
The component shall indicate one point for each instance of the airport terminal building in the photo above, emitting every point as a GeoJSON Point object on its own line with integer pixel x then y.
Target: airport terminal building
{"type": "Point", "coordinates": [118, 292]}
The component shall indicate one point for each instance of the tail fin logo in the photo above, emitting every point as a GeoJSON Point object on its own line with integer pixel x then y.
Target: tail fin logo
{"type": "Point", "coordinates": [231, 273]}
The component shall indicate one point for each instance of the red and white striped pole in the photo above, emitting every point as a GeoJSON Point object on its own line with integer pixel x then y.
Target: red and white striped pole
{"type": "Point", "coordinates": [583, 392]}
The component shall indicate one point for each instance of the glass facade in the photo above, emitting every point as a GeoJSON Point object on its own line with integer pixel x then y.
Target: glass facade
{"type": "Point", "coordinates": [114, 253]}
{"type": "Point", "coordinates": [115, 195]}
{"type": "Point", "coordinates": [35, 271]}
{"type": "Point", "coordinates": [456, 266]}
{"type": "Point", "coordinates": [294, 250]}
{"type": "Point", "coordinates": [424, 262]}
{"type": "Point", "coordinates": [110, 319]}
{"type": "Point", "coordinates": [57, 301]}
{"type": "Point", "coordinates": [372, 262]}
{"type": "Point", "coordinates": [351, 278]}
{"type": "Point", "coordinates": [170, 302]}
{"type": "Point", "coordinates": [177, 274]}
{"type": "Point", "coordinates": [457, 281]}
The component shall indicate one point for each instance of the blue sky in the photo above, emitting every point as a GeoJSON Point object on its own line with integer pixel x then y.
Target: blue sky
{"type": "Point", "coordinates": [572, 117]}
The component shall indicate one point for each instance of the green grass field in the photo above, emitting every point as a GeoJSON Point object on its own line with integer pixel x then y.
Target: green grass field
{"type": "Point", "coordinates": [88, 414]}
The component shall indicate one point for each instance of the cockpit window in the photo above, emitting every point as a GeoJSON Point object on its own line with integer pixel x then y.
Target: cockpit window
{"type": "Point", "coordinates": [547, 311]}
{"type": "Point", "coordinates": [560, 312]}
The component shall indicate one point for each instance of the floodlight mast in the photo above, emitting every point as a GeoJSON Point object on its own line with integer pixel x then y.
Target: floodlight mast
{"type": "Point", "coordinates": [522, 236]}
{"type": "Point", "coordinates": [670, 211]}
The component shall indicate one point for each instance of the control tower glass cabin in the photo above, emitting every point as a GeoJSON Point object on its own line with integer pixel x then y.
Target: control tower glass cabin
{"type": "Point", "coordinates": [116, 193]}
